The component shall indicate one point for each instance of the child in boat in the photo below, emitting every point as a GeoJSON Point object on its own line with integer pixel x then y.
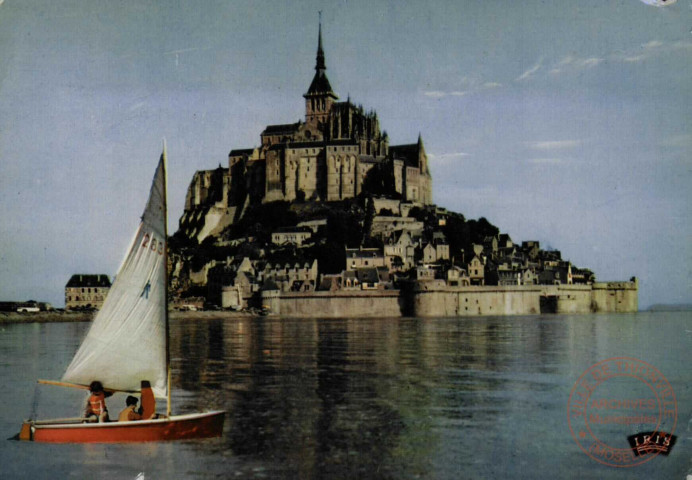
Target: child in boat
{"type": "Point", "coordinates": [96, 409]}
{"type": "Point", "coordinates": [129, 413]}
{"type": "Point", "coordinates": [147, 409]}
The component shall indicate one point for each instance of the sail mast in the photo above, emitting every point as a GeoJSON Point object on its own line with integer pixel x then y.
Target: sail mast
{"type": "Point", "coordinates": [165, 269]}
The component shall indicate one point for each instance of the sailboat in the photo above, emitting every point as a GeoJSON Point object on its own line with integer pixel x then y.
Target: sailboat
{"type": "Point", "coordinates": [127, 345]}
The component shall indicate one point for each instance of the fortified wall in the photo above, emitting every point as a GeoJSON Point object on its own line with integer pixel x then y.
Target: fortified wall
{"type": "Point", "coordinates": [434, 300]}
{"type": "Point", "coordinates": [353, 303]}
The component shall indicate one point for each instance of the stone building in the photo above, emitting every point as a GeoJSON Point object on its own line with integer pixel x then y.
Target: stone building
{"type": "Point", "coordinates": [291, 236]}
{"type": "Point", "coordinates": [326, 156]}
{"type": "Point", "coordinates": [364, 258]}
{"type": "Point", "coordinates": [86, 291]}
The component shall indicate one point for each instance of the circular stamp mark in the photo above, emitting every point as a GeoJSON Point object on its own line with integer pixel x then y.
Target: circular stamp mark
{"type": "Point", "coordinates": [616, 398]}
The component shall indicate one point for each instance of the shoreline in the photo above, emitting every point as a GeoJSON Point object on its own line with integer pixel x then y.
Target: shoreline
{"type": "Point", "coordinates": [56, 317]}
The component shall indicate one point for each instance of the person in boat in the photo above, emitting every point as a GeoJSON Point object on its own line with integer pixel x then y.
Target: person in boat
{"type": "Point", "coordinates": [130, 413]}
{"type": "Point", "coordinates": [96, 409]}
{"type": "Point", "coordinates": [147, 408]}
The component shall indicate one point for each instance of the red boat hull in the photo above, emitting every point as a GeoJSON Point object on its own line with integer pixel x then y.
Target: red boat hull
{"type": "Point", "coordinates": [180, 427]}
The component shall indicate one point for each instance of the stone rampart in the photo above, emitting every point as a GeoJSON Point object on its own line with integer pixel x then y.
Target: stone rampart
{"type": "Point", "coordinates": [568, 299]}
{"type": "Point", "coordinates": [345, 303]}
{"type": "Point", "coordinates": [433, 299]}
{"type": "Point", "coordinates": [619, 297]}
{"type": "Point", "coordinates": [475, 301]}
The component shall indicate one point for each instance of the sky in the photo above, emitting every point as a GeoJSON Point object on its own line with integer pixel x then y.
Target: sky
{"type": "Point", "coordinates": [567, 122]}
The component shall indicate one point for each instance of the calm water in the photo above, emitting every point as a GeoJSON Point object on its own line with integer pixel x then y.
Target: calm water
{"type": "Point", "coordinates": [343, 399]}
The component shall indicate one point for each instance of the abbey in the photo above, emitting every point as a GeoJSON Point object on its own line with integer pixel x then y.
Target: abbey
{"type": "Point", "coordinates": [325, 157]}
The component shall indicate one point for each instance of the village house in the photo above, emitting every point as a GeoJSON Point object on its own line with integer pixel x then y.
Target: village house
{"type": "Point", "coordinates": [291, 236]}
{"type": "Point", "coordinates": [429, 254]}
{"type": "Point", "coordinates": [457, 277]}
{"type": "Point", "coordinates": [291, 277]}
{"type": "Point", "coordinates": [364, 257]}
{"type": "Point", "coordinates": [314, 225]}
{"type": "Point", "coordinates": [560, 274]}
{"type": "Point", "coordinates": [232, 284]}
{"type": "Point", "coordinates": [476, 266]}
{"type": "Point", "coordinates": [363, 278]}
{"type": "Point", "coordinates": [441, 246]}
{"type": "Point", "coordinates": [86, 291]}
{"type": "Point", "coordinates": [384, 226]}
{"type": "Point", "coordinates": [401, 246]}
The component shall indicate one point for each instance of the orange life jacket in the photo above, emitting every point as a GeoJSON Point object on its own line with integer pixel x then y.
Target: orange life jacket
{"type": "Point", "coordinates": [147, 401]}
{"type": "Point", "coordinates": [97, 403]}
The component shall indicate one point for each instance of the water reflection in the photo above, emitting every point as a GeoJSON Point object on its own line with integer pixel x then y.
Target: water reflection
{"type": "Point", "coordinates": [386, 398]}
{"type": "Point", "coordinates": [348, 397]}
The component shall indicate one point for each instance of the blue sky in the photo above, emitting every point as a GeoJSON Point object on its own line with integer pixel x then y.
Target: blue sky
{"type": "Point", "coordinates": [564, 122]}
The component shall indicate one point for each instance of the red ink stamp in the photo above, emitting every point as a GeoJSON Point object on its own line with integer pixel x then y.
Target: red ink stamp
{"type": "Point", "coordinates": [615, 399]}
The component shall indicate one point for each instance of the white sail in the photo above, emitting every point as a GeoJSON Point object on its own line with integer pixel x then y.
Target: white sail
{"type": "Point", "coordinates": [127, 340]}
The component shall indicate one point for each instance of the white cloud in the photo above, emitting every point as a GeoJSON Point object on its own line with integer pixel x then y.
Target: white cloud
{"type": "Point", "coordinates": [653, 44]}
{"type": "Point", "coordinates": [553, 144]}
{"type": "Point", "coordinates": [635, 58]}
{"type": "Point", "coordinates": [528, 73]}
{"type": "Point", "coordinates": [651, 49]}
{"type": "Point", "coordinates": [468, 85]}
{"type": "Point", "coordinates": [589, 62]}
{"type": "Point", "coordinates": [574, 63]}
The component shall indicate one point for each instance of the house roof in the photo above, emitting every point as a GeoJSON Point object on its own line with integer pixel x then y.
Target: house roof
{"type": "Point", "coordinates": [407, 153]}
{"type": "Point", "coordinates": [293, 230]}
{"type": "Point", "coordinates": [349, 274]}
{"type": "Point", "coordinates": [363, 253]}
{"type": "Point", "coordinates": [241, 151]}
{"type": "Point", "coordinates": [318, 144]}
{"type": "Point", "coordinates": [88, 280]}
{"type": "Point", "coordinates": [368, 275]}
{"type": "Point", "coordinates": [439, 238]}
{"type": "Point", "coordinates": [286, 128]}
{"type": "Point", "coordinates": [270, 284]}
{"type": "Point", "coordinates": [320, 85]}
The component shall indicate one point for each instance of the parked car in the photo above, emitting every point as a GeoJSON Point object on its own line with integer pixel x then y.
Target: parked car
{"type": "Point", "coordinates": [28, 309]}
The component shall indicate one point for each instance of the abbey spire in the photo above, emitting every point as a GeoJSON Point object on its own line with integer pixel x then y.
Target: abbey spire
{"type": "Point", "coordinates": [319, 63]}
{"type": "Point", "coordinates": [320, 96]}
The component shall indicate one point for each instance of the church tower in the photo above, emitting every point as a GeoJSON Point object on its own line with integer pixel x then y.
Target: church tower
{"type": "Point", "coordinates": [320, 96]}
